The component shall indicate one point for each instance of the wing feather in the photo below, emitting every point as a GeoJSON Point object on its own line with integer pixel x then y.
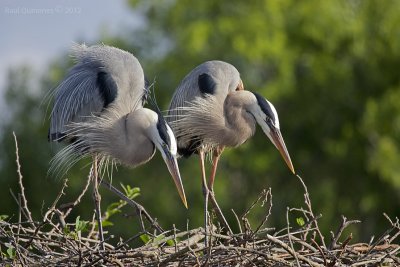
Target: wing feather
{"type": "Point", "coordinates": [212, 78]}
{"type": "Point", "coordinates": [102, 75]}
{"type": "Point", "coordinates": [77, 97]}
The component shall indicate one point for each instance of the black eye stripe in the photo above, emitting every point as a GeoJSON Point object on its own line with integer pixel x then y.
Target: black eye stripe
{"type": "Point", "coordinates": [265, 107]}
{"type": "Point", "coordinates": [270, 124]}
{"type": "Point", "coordinates": [163, 131]}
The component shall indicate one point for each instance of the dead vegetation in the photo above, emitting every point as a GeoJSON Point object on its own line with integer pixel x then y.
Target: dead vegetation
{"type": "Point", "coordinates": [51, 241]}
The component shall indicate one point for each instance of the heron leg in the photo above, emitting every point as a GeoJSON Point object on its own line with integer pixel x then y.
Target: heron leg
{"type": "Point", "coordinates": [216, 155]}
{"type": "Point", "coordinates": [97, 200]}
{"type": "Point", "coordinates": [206, 193]}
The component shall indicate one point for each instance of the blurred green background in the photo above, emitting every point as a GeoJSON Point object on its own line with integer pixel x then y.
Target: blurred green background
{"type": "Point", "coordinates": [331, 68]}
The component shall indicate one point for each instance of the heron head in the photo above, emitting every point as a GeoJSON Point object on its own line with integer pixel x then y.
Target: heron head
{"type": "Point", "coordinates": [267, 117]}
{"type": "Point", "coordinates": [165, 142]}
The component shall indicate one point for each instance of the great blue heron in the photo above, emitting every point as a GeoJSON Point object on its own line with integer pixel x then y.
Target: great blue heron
{"type": "Point", "coordinates": [210, 110]}
{"type": "Point", "coordinates": [98, 109]}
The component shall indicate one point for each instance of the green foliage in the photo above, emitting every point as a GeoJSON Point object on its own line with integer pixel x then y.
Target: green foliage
{"type": "Point", "coordinates": [382, 121]}
{"type": "Point", "coordinates": [80, 226]}
{"type": "Point", "coordinates": [116, 207]}
{"type": "Point", "coordinates": [130, 192]}
{"type": "Point", "coordinates": [11, 252]}
{"type": "Point", "coordinates": [300, 221]}
{"type": "Point", "coordinates": [147, 239]}
{"type": "Point", "coordinates": [329, 67]}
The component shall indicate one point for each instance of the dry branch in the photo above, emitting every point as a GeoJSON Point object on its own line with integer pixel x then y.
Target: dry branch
{"type": "Point", "coordinates": [48, 241]}
{"type": "Point", "coordinates": [53, 247]}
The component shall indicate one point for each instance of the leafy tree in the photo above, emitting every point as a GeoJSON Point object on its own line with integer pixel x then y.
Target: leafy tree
{"type": "Point", "coordinates": [330, 68]}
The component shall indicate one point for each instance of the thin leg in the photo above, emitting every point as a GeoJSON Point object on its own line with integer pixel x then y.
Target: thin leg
{"type": "Point", "coordinates": [216, 155]}
{"type": "Point", "coordinates": [214, 202]}
{"type": "Point", "coordinates": [97, 200]}
{"type": "Point", "coordinates": [206, 193]}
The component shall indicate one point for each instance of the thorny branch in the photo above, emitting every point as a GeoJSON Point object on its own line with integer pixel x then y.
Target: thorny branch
{"type": "Point", "coordinates": [24, 207]}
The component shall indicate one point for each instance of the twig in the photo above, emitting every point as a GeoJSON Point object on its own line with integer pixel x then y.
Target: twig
{"type": "Point", "coordinates": [20, 178]}
{"type": "Point", "coordinates": [291, 251]}
{"type": "Point", "coordinates": [308, 203]}
{"type": "Point", "coordinates": [18, 203]}
{"type": "Point", "coordinates": [18, 230]}
{"type": "Point", "coordinates": [196, 232]}
{"type": "Point", "coordinates": [289, 236]}
{"type": "Point", "coordinates": [237, 220]}
{"type": "Point", "coordinates": [50, 210]}
{"type": "Point", "coordinates": [78, 200]}
{"type": "Point", "coordinates": [261, 195]}
{"type": "Point", "coordinates": [218, 212]}
{"type": "Point", "coordinates": [53, 206]}
{"type": "Point", "coordinates": [320, 251]}
{"type": "Point", "coordinates": [129, 240]}
{"type": "Point", "coordinates": [395, 225]}
{"type": "Point", "coordinates": [139, 208]}
{"type": "Point", "coordinates": [267, 198]}
{"type": "Point", "coordinates": [345, 223]}
{"type": "Point", "coordinates": [189, 243]}
{"type": "Point", "coordinates": [379, 240]}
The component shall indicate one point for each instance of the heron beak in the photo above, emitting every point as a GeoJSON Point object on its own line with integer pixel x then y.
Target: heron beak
{"type": "Point", "coordinates": [277, 140]}
{"type": "Point", "coordinates": [173, 168]}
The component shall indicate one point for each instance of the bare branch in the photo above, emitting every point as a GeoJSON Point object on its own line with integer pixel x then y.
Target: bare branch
{"type": "Point", "coordinates": [21, 185]}
{"type": "Point", "coordinates": [307, 200]}
{"type": "Point", "coordinates": [345, 223]}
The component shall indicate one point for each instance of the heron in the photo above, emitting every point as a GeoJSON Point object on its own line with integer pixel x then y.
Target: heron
{"type": "Point", "coordinates": [210, 110]}
{"type": "Point", "coordinates": [98, 109]}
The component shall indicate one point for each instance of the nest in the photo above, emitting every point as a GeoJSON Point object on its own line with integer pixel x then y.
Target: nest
{"type": "Point", "coordinates": [52, 242]}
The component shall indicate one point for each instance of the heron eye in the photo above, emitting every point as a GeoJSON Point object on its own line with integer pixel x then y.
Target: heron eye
{"type": "Point", "coordinates": [240, 86]}
{"type": "Point", "coordinates": [269, 121]}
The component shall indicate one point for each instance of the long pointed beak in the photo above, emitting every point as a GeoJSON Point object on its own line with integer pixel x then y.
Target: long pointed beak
{"type": "Point", "coordinates": [173, 168]}
{"type": "Point", "coordinates": [277, 140]}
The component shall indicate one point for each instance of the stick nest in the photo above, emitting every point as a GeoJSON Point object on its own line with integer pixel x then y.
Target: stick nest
{"type": "Point", "coordinates": [52, 242]}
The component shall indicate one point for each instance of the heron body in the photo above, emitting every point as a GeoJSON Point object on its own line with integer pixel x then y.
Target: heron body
{"type": "Point", "coordinates": [135, 136]}
{"type": "Point", "coordinates": [211, 123]}
{"type": "Point", "coordinates": [98, 109]}
{"type": "Point", "coordinates": [220, 113]}
{"type": "Point", "coordinates": [202, 89]}
{"type": "Point", "coordinates": [210, 110]}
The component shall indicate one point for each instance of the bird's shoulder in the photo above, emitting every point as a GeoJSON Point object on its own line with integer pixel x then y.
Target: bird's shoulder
{"type": "Point", "coordinates": [213, 77]}
{"type": "Point", "coordinates": [100, 77]}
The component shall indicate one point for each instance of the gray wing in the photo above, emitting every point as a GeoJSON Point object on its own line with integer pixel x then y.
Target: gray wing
{"type": "Point", "coordinates": [217, 78]}
{"type": "Point", "coordinates": [101, 77]}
